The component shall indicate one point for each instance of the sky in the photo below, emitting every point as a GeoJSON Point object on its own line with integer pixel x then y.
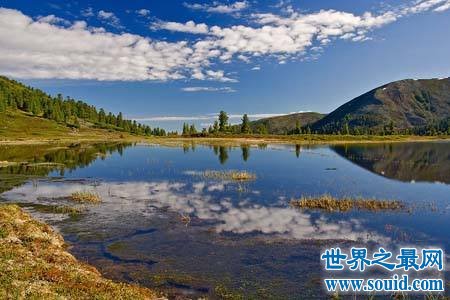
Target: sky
{"type": "Point", "coordinates": [168, 62]}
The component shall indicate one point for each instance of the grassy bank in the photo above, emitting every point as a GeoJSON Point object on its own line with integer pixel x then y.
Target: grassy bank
{"type": "Point", "coordinates": [34, 264]}
{"type": "Point", "coordinates": [17, 127]}
{"type": "Point", "coordinates": [310, 138]}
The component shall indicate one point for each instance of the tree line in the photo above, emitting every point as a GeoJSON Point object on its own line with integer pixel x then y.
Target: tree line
{"type": "Point", "coordinates": [222, 126]}
{"type": "Point", "coordinates": [14, 95]}
{"type": "Point", "coordinates": [365, 125]}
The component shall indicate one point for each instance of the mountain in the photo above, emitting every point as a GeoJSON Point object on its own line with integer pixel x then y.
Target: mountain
{"type": "Point", "coordinates": [402, 106]}
{"type": "Point", "coordinates": [285, 124]}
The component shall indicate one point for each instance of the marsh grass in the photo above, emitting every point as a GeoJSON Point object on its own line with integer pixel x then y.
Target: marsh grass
{"type": "Point", "coordinates": [85, 197]}
{"type": "Point", "coordinates": [330, 203]}
{"type": "Point", "coordinates": [229, 175]}
{"type": "Point", "coordinates": [72, 211]}
{"type": "Point", "coordinates": [185, 219]}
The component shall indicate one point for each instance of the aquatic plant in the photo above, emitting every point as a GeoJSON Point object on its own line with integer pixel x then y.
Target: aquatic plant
{"type": "Point", "coordinates": [330, 203]}
{"type": "Point", "coordinates": [229, 175]}
{"type": "Point", "coordinates": [55, 209]}
{"type": "Point", "coordinates": [186, 219]}
{"type": "Point", "coordinates": [85, 197]}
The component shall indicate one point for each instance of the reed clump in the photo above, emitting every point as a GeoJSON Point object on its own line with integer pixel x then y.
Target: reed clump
{"type": "Point", "coordinates": [85, 197]}
{"type": "Point", "coordinates": [71, 211]}
{"type": "Point", "coordinates": [330, 203]}
{"type": "Point", "coordinates": [230, 175]}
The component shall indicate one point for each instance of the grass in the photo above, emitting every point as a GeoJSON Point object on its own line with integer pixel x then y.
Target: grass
{"type": "Point", "coordinates": [229, 175]}
{"type": "Point", "coordinates": [34, 264]}
{"type": "Point", "coordinates": [303, 138]}
{"type": "Point", "coordinates": [56, 209]}
{"type": "Point", "coordinates": [18, 126]}
{"type": "Point", "coordinates": [85, 197]}
{"type": "Point", "coordinates": [330, 203]}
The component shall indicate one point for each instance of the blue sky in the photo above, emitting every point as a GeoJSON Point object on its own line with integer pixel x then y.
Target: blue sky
{"type": "Point", "coordinates": [167, 62]}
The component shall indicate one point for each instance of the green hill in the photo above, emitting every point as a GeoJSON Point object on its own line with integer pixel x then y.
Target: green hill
{"type": "Point", "coordinates": [285, 124]}
{"type": "Point", "coordinates": [18, 125]}
{"type": "Point", "coordinates": [405, 106]}
{"type": "Point", "coordinates": [27, 112]}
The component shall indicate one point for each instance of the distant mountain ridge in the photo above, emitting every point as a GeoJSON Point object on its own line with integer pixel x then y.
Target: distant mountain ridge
{"type": "Point", "coordinates": [399, 106]}
{"type": "Point", "coordinates": [419, 106]}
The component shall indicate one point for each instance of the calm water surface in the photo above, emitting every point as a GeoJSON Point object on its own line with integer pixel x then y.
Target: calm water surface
{"type": "Point", "coordinates": [162, 224]}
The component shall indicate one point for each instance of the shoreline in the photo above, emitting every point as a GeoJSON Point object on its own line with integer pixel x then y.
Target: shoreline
{"type": "Point", "coordinates": [264, 139]}
{"type": "Point", "coordinates": [35, 263]}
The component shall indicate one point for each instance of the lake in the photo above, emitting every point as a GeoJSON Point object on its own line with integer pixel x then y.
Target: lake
{"type": "Point", "coordinates": [168, 220]}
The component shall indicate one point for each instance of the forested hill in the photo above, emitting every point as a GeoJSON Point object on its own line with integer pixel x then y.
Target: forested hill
{"type": "Point", "coordinates": [288, 124]}
{"type": "Point", "coordinates": [405, 106]}
{"type": "Point", "coordinates": [66, 111]}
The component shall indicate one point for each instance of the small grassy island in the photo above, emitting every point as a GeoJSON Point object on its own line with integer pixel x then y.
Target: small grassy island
{"type": "Point", "coordinates": [330, 203]}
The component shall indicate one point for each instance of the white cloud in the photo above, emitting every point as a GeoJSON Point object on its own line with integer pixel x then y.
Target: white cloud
{"type": "Point", "coordinates": [174, 118]}
{"type": "Point", "coordinates": [51, 48]}
{"type": "Point", "coordinates": [143, 12]}
{"type": "Point", "coordinates": [189, 27]}
{"type": "Point", "coordinates": [34, 49]}
{"type": "Point", "coordinates": [208, 117]}
{"type": "Point", "coordinates": [52, 19]}
{"type": "Point", "coordinates": [256, 68]}
{"type": "Point", "coordinates": [88, 12]}
{"type": "Point", "coordinates": [422, 6]}
{"type": "Point", "coordinates": [226, 89]}
{"type": "Point", "coordinates": [109, 18]}
{"type": "Point", "coordinates": [218, 76]}
{"type": "Point", "coordinates": [254, 116]}
{"type": "Point", "coordinates": [443, 7]}
{"type": "Point", "coordinates": [292, 36]}
{"type": "Point", "coordinates": [218, 7]}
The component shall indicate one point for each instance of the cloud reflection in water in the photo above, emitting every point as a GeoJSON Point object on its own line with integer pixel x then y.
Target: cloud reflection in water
{"type": "Point", "coordinates": [201, 199]}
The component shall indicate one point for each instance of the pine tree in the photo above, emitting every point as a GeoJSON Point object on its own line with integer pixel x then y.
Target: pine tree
{"type": "Point", "coordinates": [192, 129]}
{"type": "Point", "coordinates": [223, 121]}
{"type": "Point", "coordinates": [186, 129]}
{"type": "Point", "coordinates": [102, 116]}
{"type": "Point", "coordinates": [298, 128]}
{"type": "Point", "coordinates": [216, 127]}
{"type": "Point", "coordinates": [119, 120]}
{"type": "Point", "coordinates": [245, 126]}
{"type": "Point", "coordinates": [346, 129]}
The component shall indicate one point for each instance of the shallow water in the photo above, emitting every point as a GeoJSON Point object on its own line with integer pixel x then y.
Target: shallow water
{"type": "Point", "coordinates": [162, 224]}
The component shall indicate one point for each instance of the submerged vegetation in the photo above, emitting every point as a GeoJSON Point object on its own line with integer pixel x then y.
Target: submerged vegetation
{"type": "Point", "coordinates": [36, 265]}
{"type": "Point", "coordinates": [330, 203]}
{"type": "Point", "coordinates": [85, 197]}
